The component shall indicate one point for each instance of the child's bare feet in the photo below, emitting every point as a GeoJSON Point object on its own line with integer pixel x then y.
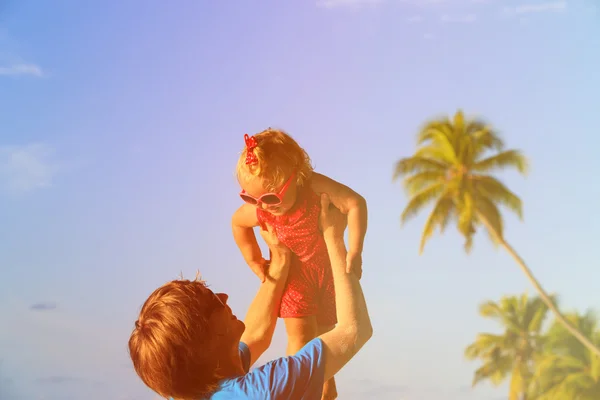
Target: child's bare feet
{"type": "Point", "coordinates": [329, 390]}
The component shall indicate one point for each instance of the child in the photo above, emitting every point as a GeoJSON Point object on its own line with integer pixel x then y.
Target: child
{"type": "Point", "coordinates": [280, 189]}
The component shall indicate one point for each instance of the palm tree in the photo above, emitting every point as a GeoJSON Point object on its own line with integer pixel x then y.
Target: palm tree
{"type": "Point", "coordinates": [453, 167]}
{"type": "Point", "coordinates": [567, 369]}
{"type": "Point", "coordinates": [512, 353]}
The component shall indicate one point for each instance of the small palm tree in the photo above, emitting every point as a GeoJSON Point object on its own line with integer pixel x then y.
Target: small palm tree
{"type": "Point", "coordinates": [567, 369]}
{"type": "Point", "coordinates": [512, 353]}
{"type": "Point", "coordinates": [453, 168]}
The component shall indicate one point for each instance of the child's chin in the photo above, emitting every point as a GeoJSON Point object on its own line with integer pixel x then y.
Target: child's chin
{"type": "Point", "coordinates": [277, 211]}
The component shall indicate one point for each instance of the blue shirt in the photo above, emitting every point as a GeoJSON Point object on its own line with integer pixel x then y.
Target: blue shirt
{"type": "Point", "coordinates": [300, 376]}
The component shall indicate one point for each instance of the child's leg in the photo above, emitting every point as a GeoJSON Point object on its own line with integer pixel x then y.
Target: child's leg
{"type": "Point", "coordinates": [329, 388]}
{"type": "Point", "coordinates": [300, 331]}
{"type": "Point", "coordinates": [301, 298]}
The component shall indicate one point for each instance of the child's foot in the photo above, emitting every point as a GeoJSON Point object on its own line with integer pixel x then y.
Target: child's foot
{"type": "Point", "coordinates": [329, 390]}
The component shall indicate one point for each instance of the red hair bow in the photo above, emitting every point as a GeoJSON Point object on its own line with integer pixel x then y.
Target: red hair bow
{"type": "Point", "coordinates": [251, 144]}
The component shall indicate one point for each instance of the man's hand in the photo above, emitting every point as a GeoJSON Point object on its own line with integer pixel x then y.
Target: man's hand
{"type": "Point", "coordinates": [279, 253]}
{"type": "Point", "coordinates": [259, 268]}
{"type": "Point", "coordinates": [354, 264]}
{"type": "Point", "coordinates": [333, 222]}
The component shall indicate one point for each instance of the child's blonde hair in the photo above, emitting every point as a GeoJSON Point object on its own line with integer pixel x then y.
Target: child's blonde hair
{"type": "Point", "coordinates": [278, 155]}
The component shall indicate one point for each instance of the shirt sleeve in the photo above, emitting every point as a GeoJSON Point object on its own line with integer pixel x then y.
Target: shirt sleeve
{"type": "Point", "coordinates": [245, 356]}
{"type": "Point", "coordinates": [300, 376]}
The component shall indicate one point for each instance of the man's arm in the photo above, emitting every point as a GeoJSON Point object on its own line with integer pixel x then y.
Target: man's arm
{"type": "Point", "coordinates": [351, 203]}
{"type": "Point", "coordinates": [354, 327]}
{"type": "Point", "coordinates": [261, 318]}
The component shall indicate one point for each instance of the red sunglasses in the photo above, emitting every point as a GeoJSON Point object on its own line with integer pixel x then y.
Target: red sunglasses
{"type": "Point", "coordinates": [270, 199]}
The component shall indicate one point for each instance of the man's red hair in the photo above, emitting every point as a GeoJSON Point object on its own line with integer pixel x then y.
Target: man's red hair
{"type": "Point", "coordinates": [172, 347]}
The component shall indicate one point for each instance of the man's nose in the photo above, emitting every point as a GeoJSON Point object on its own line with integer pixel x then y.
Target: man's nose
{"type": "Point", "coordinates": [264, 206]}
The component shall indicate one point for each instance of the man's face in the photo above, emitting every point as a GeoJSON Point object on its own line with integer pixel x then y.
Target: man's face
{"type": "Point", "coordinates": [225, 321]}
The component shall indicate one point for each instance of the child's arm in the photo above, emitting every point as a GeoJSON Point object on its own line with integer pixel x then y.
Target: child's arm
{"type": "Point", "coordinates": [242, 223]}
{"type": "Point", "coordinates": [261, 318]}
{"type": "Point", "coordinates": [351, 203]}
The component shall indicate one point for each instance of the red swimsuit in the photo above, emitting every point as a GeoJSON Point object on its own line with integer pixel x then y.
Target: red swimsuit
{"type": "Point", "coordinates": [310, 289]}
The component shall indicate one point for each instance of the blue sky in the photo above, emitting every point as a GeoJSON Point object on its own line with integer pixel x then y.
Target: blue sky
{"type": "Point", "coordinates": [120, 125]}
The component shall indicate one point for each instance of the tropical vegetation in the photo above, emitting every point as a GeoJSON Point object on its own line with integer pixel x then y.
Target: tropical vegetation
{"type": "Point", "coordinates": [513, 352]}
{"type": "Point", "coordinates": [453, 168]}
{"type": "Point", "coordinates": [539, 364]}
{"type": "Point", "coordinates": [567, 369]}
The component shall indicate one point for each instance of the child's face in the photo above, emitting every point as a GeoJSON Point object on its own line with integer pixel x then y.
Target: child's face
{"type": "Point", "coordinates": [256, 188]}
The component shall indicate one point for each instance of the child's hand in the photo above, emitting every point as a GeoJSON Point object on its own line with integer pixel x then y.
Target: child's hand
{"type": "Point", "coordinates": [269, 235]}
{"type": "Point", "coordinates": [354, 264]}
{"type": "Point", "coordinates": [278, 264]}
{"type": "Point", "coordinates": [259, 268]}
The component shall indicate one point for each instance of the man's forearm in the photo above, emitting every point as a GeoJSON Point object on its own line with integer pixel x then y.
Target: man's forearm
{"type": "Point", "coordinates": [261, 318]}
{"type": "Point", "coordinates": [350, 301]}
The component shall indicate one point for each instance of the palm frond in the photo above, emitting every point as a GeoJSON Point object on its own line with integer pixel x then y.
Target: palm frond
{"type": "Point", "coordinates": [566, 369]}
{"type": "Point", "coordinates": [576, 382]}
{"type": "Point", "coordinates": [438, 217]}
{"type": "Point", "coordinates": [416, 182]}
{"type": "Point", "coordinates": [491, 309]}
{"type": "Point", "coordinates": [465, 220]}
{"type": "Point", "coordinates": [450, 216]}
{"type": "Point", "coordinates": [421, 199]}
{"type": "Point", "coordinates": [536, 314]}
{"type": "Point", "coordinates": [459, 123]}
{"type": "Point", "coordinates": [436, 140]}
{"type": "Point", "coordinates": [484, 342]}
{"type": "Point", "coordinates": [431, 130]}
{"type": "Point", "coordinates": [500, 313]}
{"type": "Point", "coordinates": [496, 191]}
{"type": "Point", "coordinates": [441, 151]}
{"type": "Point", "coordinates": [494, 370]}
{"type": "Point", "coordinates": [505, 159]}
{"type": "Point", "coordinates": [486, 209]}
{"type": "Point", "coordinates": [417, 164]}
{"type": "Point", "coordinates": [484, 139]}
{"type": "Point", "coordinates": [510, 307]}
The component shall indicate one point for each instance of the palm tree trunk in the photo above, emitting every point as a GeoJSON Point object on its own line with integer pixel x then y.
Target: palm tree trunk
{"type": "Point", "coordinates": [544, 296]}
{"type": "Point", "coordinates": [514, 391]}
{"type": "Point", "coordinates": [518, 383]}
{"type": "Point", "coordinates": [542, 293]}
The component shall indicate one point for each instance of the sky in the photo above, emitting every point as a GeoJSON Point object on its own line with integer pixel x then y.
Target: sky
{"type": "Point", "coordinates": [120, 127]}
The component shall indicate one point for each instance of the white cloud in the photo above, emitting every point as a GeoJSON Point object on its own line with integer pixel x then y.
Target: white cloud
{"type": "Point", "coordinates": [27, 168]}
{"type": "Point", "coordinates": [556, 6]}
{"type": "Point", "coordinates": [21, 69]}
{"type": "Point", "coordinates": [347, 3]}
{"type": "Point", "coordinates": [459, 19]}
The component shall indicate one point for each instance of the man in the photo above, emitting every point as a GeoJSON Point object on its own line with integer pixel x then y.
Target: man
{"type": "Point", "coordinates": [187, 344]}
